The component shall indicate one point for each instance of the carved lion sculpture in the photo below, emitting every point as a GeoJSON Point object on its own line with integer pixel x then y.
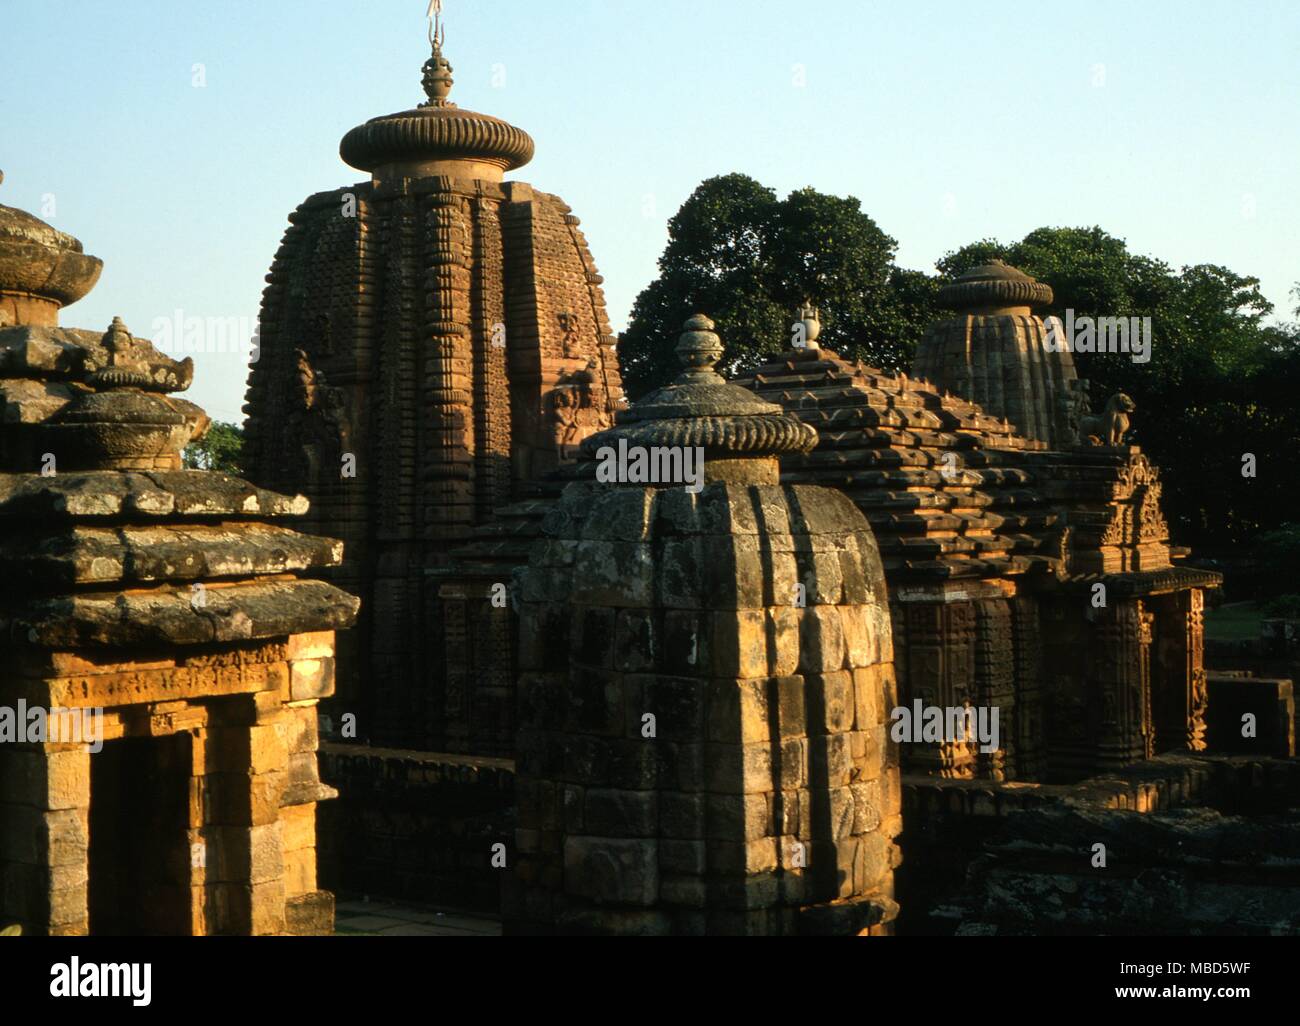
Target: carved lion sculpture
{"type": "Point", "coordinates": [1111, 427]}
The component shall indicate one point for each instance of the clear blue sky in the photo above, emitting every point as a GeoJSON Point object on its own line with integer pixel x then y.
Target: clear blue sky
{"type": "Point", "coordinates": [1173, 125]}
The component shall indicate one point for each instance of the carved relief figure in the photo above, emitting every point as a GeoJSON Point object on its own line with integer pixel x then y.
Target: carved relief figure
{"type": "Point", "coordinates": [1073, 406]}
{"type": "Point", "coordinates": [569, 325]}
{"type": "Point", "coordinates": [565, 404]}
{"type": "Point", "coordinates": [320, 416]}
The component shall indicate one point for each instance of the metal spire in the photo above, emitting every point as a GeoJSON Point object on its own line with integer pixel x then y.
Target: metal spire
{"type": "Point", "coordinates": [437, 31]}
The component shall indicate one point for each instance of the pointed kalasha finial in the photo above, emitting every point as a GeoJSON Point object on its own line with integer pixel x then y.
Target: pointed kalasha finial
{"type": "Point", "coordinates": [124, 369]}
{"type": "Point", "coordinates": [437, 70]}
{"type": "Point", "coordinates": [808, 324]}
{"type": "Point", "coordinates": [702, 409]}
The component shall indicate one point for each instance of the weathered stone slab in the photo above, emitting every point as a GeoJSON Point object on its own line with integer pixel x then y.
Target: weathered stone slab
{"type": "Point", "coordinates": [40, 560]}
{"type": "Point", "coordinates": [240, 612]}
{"type": "Point", "coordinates": [93, 494]}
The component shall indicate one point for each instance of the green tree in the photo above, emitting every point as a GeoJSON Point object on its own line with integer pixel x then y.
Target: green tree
{"type": "Point", "coordinates": [749, 259]}
{"type": "Point", "coordinates": [221, 449]}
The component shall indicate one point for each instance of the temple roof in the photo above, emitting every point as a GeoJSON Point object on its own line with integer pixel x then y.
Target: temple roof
{"type": "Point", "coordinates": [942, 483]}
{"type": "Point", "coordinates": [952, 493]}
{"type": "Point", "coordinates": [436, 130]}
{"type": "Point", "coordinates": [993, 285]}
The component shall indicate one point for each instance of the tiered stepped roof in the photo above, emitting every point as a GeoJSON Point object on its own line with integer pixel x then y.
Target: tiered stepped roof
{"type": "Point", "coordinates": [944, 485]}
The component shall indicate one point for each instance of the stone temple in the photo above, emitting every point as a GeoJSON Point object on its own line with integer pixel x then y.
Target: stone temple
{"type": "Point", "coordinates": [897, 660]}
{"type": "Point", "coordinates": [704, 756]}
{"type": "Point", "coordinates": [162, 646]}
{"type": "Point", "coordinates": [672, 711]}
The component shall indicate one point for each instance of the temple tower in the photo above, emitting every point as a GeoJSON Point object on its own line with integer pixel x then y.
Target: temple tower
{"type": "Point", "coordinates": [996, 353]}
{"type": "Point", "coordinates": [704, 682]}
{"type": "Point", "coordinates": [431, 340]}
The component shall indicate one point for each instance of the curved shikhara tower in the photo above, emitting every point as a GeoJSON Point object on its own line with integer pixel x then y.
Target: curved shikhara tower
{"type": "Point", "coordinates": [431, 340]}
{"type": "Point", "coordinates": [995, 351]}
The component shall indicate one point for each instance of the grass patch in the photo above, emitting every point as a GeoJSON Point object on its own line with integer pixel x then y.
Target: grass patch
{"type": "Point", "coordinates": [1236, 622]}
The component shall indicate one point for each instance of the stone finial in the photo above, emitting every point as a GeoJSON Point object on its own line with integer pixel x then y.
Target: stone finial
{"type": "Point", "coordinates": [437, 137]}
{"type": "Point", "coordinates": [699, 348]}
{"type": "Point", "coordinates": [995, 285]}
{"type": "Point", "coordinates": [701, 409]}
{"type": "Point", "coordinates": [127, 362]}
{"type": "Point", "coordinates": [437, 78]}
{"type": "Point", "coordinates": [808, 318]}
{"type": "Point", "coordinates": [119, 417]}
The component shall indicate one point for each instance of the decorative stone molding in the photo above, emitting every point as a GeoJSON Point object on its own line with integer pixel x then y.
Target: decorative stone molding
{"type": "Point", "coordinates": [993, 286]}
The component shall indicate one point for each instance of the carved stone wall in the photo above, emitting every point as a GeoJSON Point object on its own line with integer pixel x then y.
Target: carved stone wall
{"type": "Point", "coordinates": [1098, 686]}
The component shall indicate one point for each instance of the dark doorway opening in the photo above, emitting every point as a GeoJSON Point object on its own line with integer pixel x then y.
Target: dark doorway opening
{"type": "Point", "coordinates": [139, 838]}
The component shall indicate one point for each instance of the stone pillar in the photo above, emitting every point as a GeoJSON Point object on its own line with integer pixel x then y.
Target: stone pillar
{"type": "Point", "coordinates": [704, 684]}
{"type": "Point", "coordinates": [245, 865]}
{"type": "Point", "coordinates": [995, 688]}
{"type": "Point", "coordinates": [1026, 627]}
{"type": "Point", "coordinates": [1179, 677]}
{"type": "Point", "coordinates": [45, 837]}
{"type": "Point", "coordinates": [1119, 679]}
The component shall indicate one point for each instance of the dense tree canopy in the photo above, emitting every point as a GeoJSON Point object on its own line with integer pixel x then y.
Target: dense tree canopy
{"type": "Point", "coordinates": [749, 259]}
{"type": "Point", "coordinates": [1220, 385]}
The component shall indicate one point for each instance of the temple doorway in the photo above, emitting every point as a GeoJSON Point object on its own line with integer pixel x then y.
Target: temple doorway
{"type": "Point", "coordinates": [139, 862]}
